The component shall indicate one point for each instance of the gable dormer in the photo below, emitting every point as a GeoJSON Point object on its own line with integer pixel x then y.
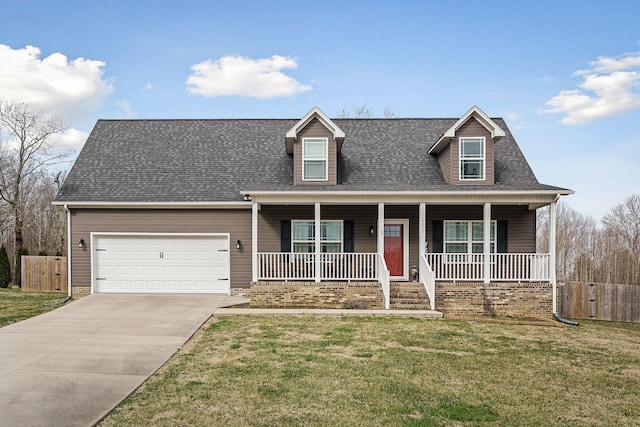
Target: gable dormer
{"type": "Point", "coordinates": [315, 142]}
{"type": "Point", "coordinates": [466, 150]}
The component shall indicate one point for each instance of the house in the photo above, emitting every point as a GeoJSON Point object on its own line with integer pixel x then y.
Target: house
{"type": "Point", "coordinates": [312, 211]}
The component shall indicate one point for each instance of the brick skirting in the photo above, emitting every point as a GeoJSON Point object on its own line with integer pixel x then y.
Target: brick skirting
{"type": "Point", "coordinates": [317, 295]}
{"type": "Point", "coordinates": [501, 299]}
{"type": "Point", "coordinates": [240, 292]}
{"type": "Point", "coordinates": [80, 291]}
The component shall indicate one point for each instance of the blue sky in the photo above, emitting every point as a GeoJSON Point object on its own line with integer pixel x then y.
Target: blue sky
{"type": "Point", "coordinates": [565, 75]}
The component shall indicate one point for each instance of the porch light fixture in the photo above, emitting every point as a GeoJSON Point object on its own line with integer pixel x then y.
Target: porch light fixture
{"type": "Point", "coordinates": [247, 197]}
{"type": "Point", "coordinates": [81, 244]}
{"type": "Point", "coordinates": [372, 230]}
{"type": "Point", "coordinates": [238, 244]}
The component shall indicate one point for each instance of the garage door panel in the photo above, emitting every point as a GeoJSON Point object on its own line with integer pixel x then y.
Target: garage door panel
{"type": "Point", "coordinates": [161, 264]}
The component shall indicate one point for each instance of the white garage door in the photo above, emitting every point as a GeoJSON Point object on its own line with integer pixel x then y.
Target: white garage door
{"type": "Point", "coordinates": [161, 264]}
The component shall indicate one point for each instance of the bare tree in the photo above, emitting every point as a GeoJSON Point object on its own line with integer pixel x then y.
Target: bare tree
{"type": "Point", "coordinates": [25, 149]}
{"type": "Point", "coordinates": [363, 112]}
{"type": "Point", "coordinates": [623, 220]}
{"type": "Point", "coordinates": [44, 224]}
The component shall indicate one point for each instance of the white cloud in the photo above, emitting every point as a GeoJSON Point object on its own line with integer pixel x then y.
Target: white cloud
{"type": "Point", "coordinates": [237, 75]}
{"type": "Point", "coordinates": [126, 112]}
{"type": "Point", "coordinates": [148, 86]}
{"type": "Point", "coordinates": [609, 87]}
{"type": "Point", "coordinates": [71, 89]}
{"type": "Point", "coordinates": [73, 139]}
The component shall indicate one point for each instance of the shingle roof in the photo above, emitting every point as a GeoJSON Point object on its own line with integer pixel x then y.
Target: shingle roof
{"type": "Point", "coordinates": [213, 160]}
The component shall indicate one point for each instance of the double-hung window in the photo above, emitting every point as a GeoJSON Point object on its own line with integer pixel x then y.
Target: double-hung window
{"type": "Point", "coordinates": [467, 237]}
{"type": "Point", "coordinates": [314, 159]}
{"type": "Point", "coordinates": [472, 158]}
{"type": "Point", "coordinates": [304, 236]}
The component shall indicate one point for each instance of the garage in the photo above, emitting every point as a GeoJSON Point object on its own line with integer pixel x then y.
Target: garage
{"type": "Point", "coordinates": [167, 263]}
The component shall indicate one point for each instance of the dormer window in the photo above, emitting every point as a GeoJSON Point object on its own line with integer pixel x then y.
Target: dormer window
{"type": "Point", "coordinates": [314, 159]}
{"type": "Point", "coordinates": [472, 158]}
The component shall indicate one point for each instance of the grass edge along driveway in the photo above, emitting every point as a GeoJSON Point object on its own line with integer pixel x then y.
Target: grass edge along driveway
{"type": "Point", "coordinates": [16, 305]}
{"type": "Point", "coordinates": [315, 371]}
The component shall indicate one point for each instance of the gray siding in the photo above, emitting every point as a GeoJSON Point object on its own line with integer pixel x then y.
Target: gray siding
{"type": "Point", "coordinates": [315, 129]}
{"type": "Point", "coordinates": [444, 158]}
{"type": "Point", "coordinates": [521, 223]}
{"type": "Point", "coordinates": [235, 222]}
{"type": "Point", "coordinates": [471, 128]}
{"type": "Point", "coordinates": [363, 217]}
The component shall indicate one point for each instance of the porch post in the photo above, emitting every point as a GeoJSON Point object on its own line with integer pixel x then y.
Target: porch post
{"type": "Point", "coordinates": [318, 248]}
{"type": "Point", "coordinates": [552, 252]}
{"type": "Point", "coordinates": [486, 242]}
{"type": "Point", "coordinates": [422, 213]}
{"type": "Point", "coordinates": [381, 229]}
{"type": "Point", "coordinates": [254, 241]}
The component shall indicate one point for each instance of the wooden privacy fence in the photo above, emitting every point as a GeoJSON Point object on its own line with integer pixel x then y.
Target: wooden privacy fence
{"type": "Point", "coordinates": [599, 301]}
{"type": "Point", "coordinates": [44, 274]}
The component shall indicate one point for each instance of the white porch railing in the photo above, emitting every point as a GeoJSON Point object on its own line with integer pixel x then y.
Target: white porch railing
{"type": "Point", "coordinates": [385, 279]}
{"type": "Point", "coordinates": [286, 266]}
{"type": "Point", "coordinates": [504, 267]}
{"type": "Point", "coordinates": [349, 266]}
{"type": "Point", "coordinates": [301, 266]}
{"type": "Point", "coordinates": [428, 280]}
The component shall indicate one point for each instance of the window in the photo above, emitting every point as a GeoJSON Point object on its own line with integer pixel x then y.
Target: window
{"type": "Point", "coordinates": [472, 158]}
{"type": "Point", "coordinates": [465, 237]}
{"type": "Point", "coordinates": [303, 234]}
{"type": "Point", "coordinates": [314, 159]}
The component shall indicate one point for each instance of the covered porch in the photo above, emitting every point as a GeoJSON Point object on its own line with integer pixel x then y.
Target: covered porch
{"type": "Point", "coordinates": [424, 258]}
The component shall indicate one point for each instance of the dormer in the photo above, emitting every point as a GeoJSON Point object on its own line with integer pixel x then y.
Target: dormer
{"type": "Point", "coordinates": [315, 142]}
{"type": "Point", "coordinates": [465, 150]}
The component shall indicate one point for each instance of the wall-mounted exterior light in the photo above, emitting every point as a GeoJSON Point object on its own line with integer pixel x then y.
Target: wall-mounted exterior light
{"type": "Point", "coordinates": [81, 244]}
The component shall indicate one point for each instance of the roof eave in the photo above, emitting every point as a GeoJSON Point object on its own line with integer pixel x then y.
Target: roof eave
{"type": "Point", "coordinates": [496, 131]}
{"type": "Point", "coordinates": [314, 113]}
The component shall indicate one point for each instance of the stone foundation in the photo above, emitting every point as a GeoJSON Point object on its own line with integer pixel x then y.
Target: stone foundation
{"type": "Point", "coordinates": [80, 291]}
{"type": "Point", "coordinates": [510, 299]}
{"type": "Point", "coordinates": [317, 295]}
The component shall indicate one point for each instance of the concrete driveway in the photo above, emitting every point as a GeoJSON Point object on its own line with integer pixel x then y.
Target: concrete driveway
{"type": "Point", "coordinates": [71, 366]}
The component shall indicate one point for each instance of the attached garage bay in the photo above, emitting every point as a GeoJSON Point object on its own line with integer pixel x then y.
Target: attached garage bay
{"type": "Point", "coordinates": [160, 263]}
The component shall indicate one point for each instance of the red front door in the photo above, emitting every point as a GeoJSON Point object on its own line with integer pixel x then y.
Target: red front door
{"type": "Point", "coordinates": [394, 248]}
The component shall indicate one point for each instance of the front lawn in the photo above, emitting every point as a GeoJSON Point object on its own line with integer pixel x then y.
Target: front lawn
{"type": "Point", "coordinates": [16, 305]}
{"type": "Point", "coordinates": [306, 371]}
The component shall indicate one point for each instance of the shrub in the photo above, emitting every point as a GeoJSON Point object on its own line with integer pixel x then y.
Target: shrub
{"type": "Point", "coordinates": [356, 305]}
{"type": "Point", "coordinates": [42, 252]}
{"type": "Point", "coordinates": [5, 268]}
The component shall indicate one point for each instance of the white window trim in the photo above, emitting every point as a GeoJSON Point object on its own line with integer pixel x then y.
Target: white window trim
{"type": "Point", "coordinates": [326, 159]}
{"type": "Point", "coordinates": [470, 241]}
{"type": "Point", "coordinates": [483, 158]}
{"type": "Point", "coordinates": [294, 241]}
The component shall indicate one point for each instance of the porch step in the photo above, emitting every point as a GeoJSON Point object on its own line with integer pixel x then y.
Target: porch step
{"type": "Point", "coordinates": [408, 296]}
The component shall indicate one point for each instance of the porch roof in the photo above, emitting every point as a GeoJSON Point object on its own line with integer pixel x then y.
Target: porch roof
{"type": "Point", "coordinates": [204, 161]}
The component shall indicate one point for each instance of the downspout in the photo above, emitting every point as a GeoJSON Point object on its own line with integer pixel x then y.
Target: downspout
{"type": "Point", "coordinates": [552, 241]}
{"type": "Point", "coordinates": [66, 208]}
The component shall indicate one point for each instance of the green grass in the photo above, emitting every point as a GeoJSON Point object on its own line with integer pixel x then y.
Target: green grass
{"type": "Point", "coordinates": [306, 371]}
{"type": "Point", "coordinates": [16, 305]}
